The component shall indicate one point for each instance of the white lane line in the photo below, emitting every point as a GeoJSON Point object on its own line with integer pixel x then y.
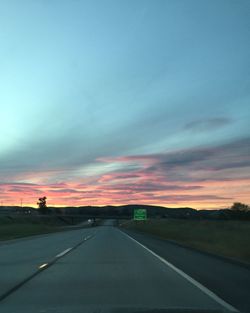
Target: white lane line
{"type": "Point", "coordinates": [64, 252]}
{"type": "Point", "coordinates": [187, 277]}
{"type": "Point", "coordinates": [88, 237]}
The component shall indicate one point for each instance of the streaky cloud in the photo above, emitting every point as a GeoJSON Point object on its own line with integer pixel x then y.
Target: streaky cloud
{"type": "Point", "coordinates": [209, 124]}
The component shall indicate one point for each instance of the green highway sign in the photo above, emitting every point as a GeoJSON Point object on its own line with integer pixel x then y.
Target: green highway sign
{"type": "Point", "coordinates": [140, 214]}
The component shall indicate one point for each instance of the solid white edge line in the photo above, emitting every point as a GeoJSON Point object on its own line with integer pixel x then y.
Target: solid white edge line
{"type": "Point", "coordinates": [187, 277]}
{"type": "Point", "coordinates": [62, 253]}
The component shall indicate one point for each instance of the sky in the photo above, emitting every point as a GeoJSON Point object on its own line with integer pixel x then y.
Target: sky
{"type": "Point", "coordinates": [125, 102]}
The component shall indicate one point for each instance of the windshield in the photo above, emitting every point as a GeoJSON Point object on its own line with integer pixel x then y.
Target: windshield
{"type": "Point", "coordinates": [124, 155]}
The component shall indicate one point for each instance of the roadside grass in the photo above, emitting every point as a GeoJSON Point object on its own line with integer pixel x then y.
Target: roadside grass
{"type": "Point", "coordinates": [225, 238]}
{"type": "Point", "coordinates": [13, 231]}
{"type": "Point", "coordinates": [18, 227]}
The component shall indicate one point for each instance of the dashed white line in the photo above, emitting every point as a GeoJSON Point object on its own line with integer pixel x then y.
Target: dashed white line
{"type": "Point", "coordinates": [187, 277]}
{"type": "Point", "coordinates": [63, 253]}
{"type": "Point", "coordinates": [86, 238]}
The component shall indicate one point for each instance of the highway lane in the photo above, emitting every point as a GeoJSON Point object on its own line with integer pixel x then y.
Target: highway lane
{"type": "Point", "coordinates": [109, 270]}
{"type": "Point", "coordinates": [21, 258]}
{"type": "Point", "coordinates": [228, 280]}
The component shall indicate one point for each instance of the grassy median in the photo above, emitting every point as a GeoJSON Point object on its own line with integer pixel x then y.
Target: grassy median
{"type": "Point", "coordinates": [23, 230]}
{"type": "Point", "coordinates": [226, 238]}
{"type": "Point", "coordinates": [17, 227]}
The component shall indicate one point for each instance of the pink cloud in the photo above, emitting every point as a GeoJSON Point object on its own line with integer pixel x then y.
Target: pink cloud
{"type": "Point", "coordinates": [193, 177]}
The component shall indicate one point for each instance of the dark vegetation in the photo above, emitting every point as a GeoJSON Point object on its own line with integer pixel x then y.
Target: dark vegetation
{"type": "Point", "coordinates": [24, 221]}
{"type": "Point", "coordinates": [230, 238]}
{"type": "Point", "coordinates": [238, 211]}
{"type": "Point", "coordinates": [20, 225]}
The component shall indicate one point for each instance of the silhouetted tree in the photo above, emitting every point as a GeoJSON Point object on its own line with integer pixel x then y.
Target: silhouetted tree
{"type": "Point", "coordinates": [42, 205]}
{"type": "Point", "coordinates": [238, 206]}
{"type": "Point", "coordinates": [239, 211]}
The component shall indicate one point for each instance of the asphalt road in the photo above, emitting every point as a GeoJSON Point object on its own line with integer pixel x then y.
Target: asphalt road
{"type": "Point", "coordinates": [228, 280]}
{"type": "Point", "coordinates": [106, 270]}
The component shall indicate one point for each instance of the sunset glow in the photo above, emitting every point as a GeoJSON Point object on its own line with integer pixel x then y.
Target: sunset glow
{"type": "Point", "coordinates": [170, 179]}
{"type": "Point", "coordinates": [137, 103]}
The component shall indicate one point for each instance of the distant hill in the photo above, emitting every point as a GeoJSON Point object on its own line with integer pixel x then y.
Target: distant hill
{"type": "Point", "coordinates": [126, 211]}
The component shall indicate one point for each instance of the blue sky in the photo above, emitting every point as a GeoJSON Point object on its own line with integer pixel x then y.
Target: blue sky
{"type": "Point", "coordinates": [82, 82]}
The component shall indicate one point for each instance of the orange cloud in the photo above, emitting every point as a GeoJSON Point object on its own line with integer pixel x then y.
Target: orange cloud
{"type": "Point", "coordinates": [201, 178]}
